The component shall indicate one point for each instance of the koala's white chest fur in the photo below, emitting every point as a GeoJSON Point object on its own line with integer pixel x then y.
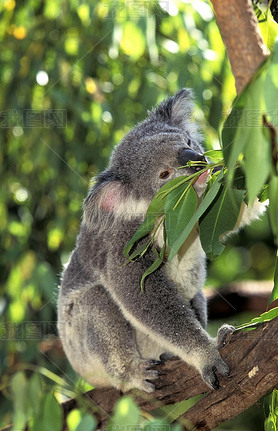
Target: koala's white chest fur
{"type": "Point", "coordinates": [188, 268]}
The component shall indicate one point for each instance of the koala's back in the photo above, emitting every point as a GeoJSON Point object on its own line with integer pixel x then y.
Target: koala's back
{"type": "Point", "coordinates": [92, 326]}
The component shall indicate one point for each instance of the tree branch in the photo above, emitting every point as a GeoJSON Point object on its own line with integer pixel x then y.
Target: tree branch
{"type": "Point", "coordinates": [253, 360]}
{"type": "Point", "coordinates": [240, 33]}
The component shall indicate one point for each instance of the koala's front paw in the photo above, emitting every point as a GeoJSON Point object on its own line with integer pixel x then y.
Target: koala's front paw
{"type": "Point", "coordinates": [222, 334]}
{"type": "Point", "coordinates": [208, 373]}
{"type": "Point", "coordinates": [143, 374]}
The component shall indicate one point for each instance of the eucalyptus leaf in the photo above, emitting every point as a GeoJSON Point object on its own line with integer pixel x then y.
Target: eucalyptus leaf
{"type": "Point", "coordinates": [50, 421]}
{"type": "Point", "coordinates": [220, 218]}
{"type": "Point", "coordinates": [160, 424]}
{"type": "Point", "coordinates": [208, 198]}
{"type": "Point", "coordinates": [126, 415]}
{"type": "Point", "coordinates": [243, 123]}
{"type": "Point", "coordinates": [270, 423]}
{"type": "Point", "coordinates": [177, 218]}
{"type": "Point", "coordinates": [273, 206]}
{"type": "Point", "coordinates": [232, 143]}
{"type": "Point", "coordinates": [257, 163]}
{"type": "Point", "coordinates": [155, 265]}
{"type": "Point", "coordinates": [140, 250]}
{"type": "Point", "coordinates": [214, 154]}
{"type": "Point", "coordinates": [268, 27]}
{"type": "Point", "coordinates": [34, 395]}
{"type": "Point", "coordinates": [264, 317]}
{"type": "Point", "coordinates": [19, 386]}
{"type": "Point", "coordinates": [271, 87]}
{"type": "Point", "coordinates": [274, 293]}
{"type": "Point", "coordinates": [155, 210]}
{"type": "Point", "coordinates": [87, 423]}
{"type": "Point", "coordinates": [144, 229]}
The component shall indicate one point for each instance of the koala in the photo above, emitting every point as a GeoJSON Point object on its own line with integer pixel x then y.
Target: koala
{"type": "Point", "coordinates": [111, 331]}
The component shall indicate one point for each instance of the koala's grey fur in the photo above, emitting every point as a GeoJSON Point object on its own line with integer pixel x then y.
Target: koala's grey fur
{"type": "Point", "coordinates": [110, 330]}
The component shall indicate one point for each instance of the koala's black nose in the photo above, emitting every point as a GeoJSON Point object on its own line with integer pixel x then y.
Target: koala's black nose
{"type": "Point", "coordinates": [187, 154]}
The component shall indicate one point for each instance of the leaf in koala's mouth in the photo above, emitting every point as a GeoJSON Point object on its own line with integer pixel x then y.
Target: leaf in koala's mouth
{"type": "Point", "coordinates": [203, 178]}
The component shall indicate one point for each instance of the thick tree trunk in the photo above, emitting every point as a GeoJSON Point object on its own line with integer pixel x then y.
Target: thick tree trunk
{"type": "Point", "coordinates": [240, 33]}
{"type": "Point", "coordinates": [253, 360]}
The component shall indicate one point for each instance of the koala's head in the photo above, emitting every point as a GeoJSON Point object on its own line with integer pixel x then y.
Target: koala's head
{"type": "Point", "coordinates": [148, 157]}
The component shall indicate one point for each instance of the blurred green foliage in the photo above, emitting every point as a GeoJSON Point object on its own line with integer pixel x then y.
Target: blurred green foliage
{"type": "Point", "coordinates": [74, 77]}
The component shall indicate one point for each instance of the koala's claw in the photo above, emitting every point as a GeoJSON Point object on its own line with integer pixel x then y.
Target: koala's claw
{"type": "Point", "coordinates": [148, 386]}
{"type": "Point", "coordinates": [153, 362]}
{"type": "Point", "coordinates": [223, 333]}
{"type": "Point", "coordinates": [209, 376]}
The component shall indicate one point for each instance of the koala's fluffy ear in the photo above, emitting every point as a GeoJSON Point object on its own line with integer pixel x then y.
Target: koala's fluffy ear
{"type": "Point", "coordinates": [109, 198]}
{"type": "Point", "coordinates": [176, 110]}
{"type": "Point", "coordinates": [108, 194]}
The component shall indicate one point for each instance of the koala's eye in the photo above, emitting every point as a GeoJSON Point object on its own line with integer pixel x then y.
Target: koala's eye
{"type": "Point", "coordinates": [189, 143]}
{"type": "Point", "coordinates": [164, 174]}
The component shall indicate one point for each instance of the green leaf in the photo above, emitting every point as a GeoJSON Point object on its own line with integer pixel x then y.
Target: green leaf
{"type": "Point", "coordinates": [51, 418]}
{"type": "Point", "coordinates": [244, 122]}
{"type": "Point", "coordinates": [271, 86]}
{"type": "Point", "coordinates": [264, 317]}
{"type": "Point", "coordinates": [155, 265]}
{"type": "Point", "coordinates": [274, 293]}
{"type": "Point", "coordinates": [160, 424]}
{"type": "Point", "coordinates": [268, 27]}
{"type": "Point", "coordinates": [215, 155]}
{"type": "Point", "coordinates": [177, 218]}
{"type": "Point", "coordinates": [126, 415]}
{"type": "Point", "coordinates": [139, 251]}
{"type": "Point", "coordinates": [209, 197]}
{"type": "Point", "coordinates": [19, 391]}
{"type": "Point", "coordinates": [269, 423]}
{"type": "Point", "coordinates": [34, 395]}
{"type": "Point", "coordinates": [263, 196]}
{"type": "Point", "coordinates": [233, 146]}
{"type": "Point", "coordinates": [257, 156]}
{"type": "Point", "coordinates": [87, 423]}
{"type": "Point", "coordinates": [173, 411]}
{"type": "Point", "coordinates": [155, 210]}
{"type": "Point", "coordinates": [257, 163]}
{"type": "Point", "coordinates": [220, 218]}
{"type": "Point", "coordinates": [273, 206]}
{"type": "Point", "coordinates": [144, 229]}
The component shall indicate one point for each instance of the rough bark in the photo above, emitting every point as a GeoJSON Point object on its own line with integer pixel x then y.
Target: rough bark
{"type": "Point", "coordinates": [240, 33]}
{"type": "Point", "coordinates": [253, 360]}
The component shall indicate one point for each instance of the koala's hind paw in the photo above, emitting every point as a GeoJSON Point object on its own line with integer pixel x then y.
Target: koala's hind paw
{"type": "Point", "coordinates": [223, 333]}
{"type": "Point", "coordinates": [208, 373]}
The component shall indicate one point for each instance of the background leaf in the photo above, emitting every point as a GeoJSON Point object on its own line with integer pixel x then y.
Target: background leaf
{"type": "Point", "coordinates": [19, 390]}
{"type": "Point", "coordinates": [126, 414]}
